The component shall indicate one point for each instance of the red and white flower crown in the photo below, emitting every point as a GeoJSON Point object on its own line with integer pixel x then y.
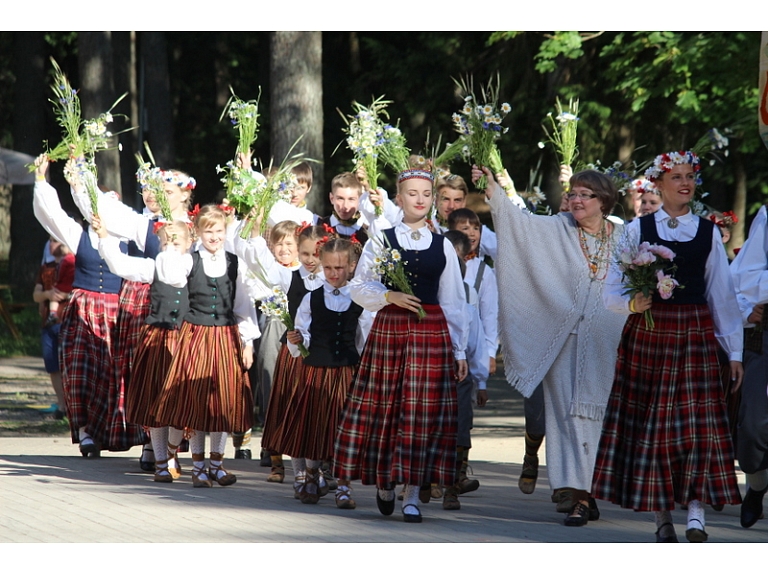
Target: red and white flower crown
{"type": "Point", "coordinates": [665, 162]}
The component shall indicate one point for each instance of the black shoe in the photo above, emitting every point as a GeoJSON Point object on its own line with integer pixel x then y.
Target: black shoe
{"type": "Point", "coordinates": [752, 507]}
{"type": "Point", "coordinates": [183, 446]}
{"type": "Point", "coordinates": [265, 459]}
{"type": "Point", "coordinates": [410, 518]}
{"type": "Point", "coordinates": [594, 512]}
{"type": "Point", "coordinates": [666, 538]}
{"type": "Point", "coordinates": [579, 515]}
{"type": "Point", "coordinates": [90, 450]}
{"type": "Point", "coordinates": [242, 453]}
{"type": "Point", "coordinates": [146, 465]}
{"type": "Point", "coordinates": [696, 535]}
{"type": "Point", "coordinates": [385, 507]}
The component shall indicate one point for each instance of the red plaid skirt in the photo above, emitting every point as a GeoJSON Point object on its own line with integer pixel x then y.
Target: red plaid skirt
{"type": "Point", "coordinates": [207, 387]}
{"type": "Point", "coordinates": [399, 423]}
{"type": "Point", "coordinates": [315, 411]}
{"type": "Point", "coordinates": [151, 365]}
{"type": "Point", "coordinates": [665, 436]}
{"type": "Point", "coordinates": [134, 307]}
{"type": "Point", "coordinates": [288, 372]}
{"type": "Point", "coordinates": [85, 344]}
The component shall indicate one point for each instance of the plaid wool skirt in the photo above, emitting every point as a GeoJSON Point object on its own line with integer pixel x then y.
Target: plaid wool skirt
{"type": "Point", "coordinates": [151, 365]}
{"type": "Point", "coordinates": [665, 437]}
{"type": "Point", "coordinates": [133, 309]}
{"type": "Point", "coordinates": [314, 412]}
{"type": "Point", "coordinates": [85, 358]}
{"type": "Point", "coordinates": [288, 372]}
{"type": "Point", "coordinates": [399, 423]}
{"type": "Point", "coordinates": [207, 386]}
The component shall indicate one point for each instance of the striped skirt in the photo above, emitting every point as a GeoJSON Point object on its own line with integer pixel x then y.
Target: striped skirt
{"type": "Point", "coordinates": [134, 306]}
{"type": "Point", "coordinates": [288, 372]}
{"type": "Point", "coordinates": [315, 411]}
{"type": "Point", "coordinates": [399, 423]}
{"type": "Point", "coordinates": [665, 437]}
{"type": "Point", "coordinates": [207, 387]}
{"type": "Point", "coordinates": [85, 344]}
{"type": "Point", "coordinates": [151, 365]}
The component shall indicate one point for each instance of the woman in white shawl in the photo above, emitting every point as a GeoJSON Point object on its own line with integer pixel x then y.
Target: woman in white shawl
{"type": "Point", "coordinates": [553, 325]}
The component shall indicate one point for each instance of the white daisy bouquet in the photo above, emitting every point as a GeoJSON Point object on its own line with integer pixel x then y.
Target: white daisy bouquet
{"type": "Point", "coordinates": [371, 139]}
{"type": "Point", "coordinates": [388, 264]}
{"type": "Point", "coordinates": [479, 126]}
{"type": "Point", "coordinates": [646, 267]}
{"type": "Point", "coordinates": [244, 116]}
{"type": "Point", "coordinates": [251, 194]}
{"type": "Point", "coordinates": [276, 305]}
{"type": "Point", "coordinates": [562, 132]}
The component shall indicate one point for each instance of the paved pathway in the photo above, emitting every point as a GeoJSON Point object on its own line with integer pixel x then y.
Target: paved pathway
{"type": "Point", "coordinates": [50, 494]}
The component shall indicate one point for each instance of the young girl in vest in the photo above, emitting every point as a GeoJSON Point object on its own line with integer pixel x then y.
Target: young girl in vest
{"type": "Point", "coordinates": [88, 324]}
{"type": "Point", "coordinates": [207, 387]}
{"type": "Point", "coordinates": [301, 280]}
{"type": "Point", "coordinates": [333, 328]}
{"type": "Point", "coordinates": [399, 424]}
{"type": "Point", "coordinates": [158, 338]}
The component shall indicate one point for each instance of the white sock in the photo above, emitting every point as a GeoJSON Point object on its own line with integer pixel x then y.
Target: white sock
{"type": "Point", "coordinates": [197, 443]}
{"type": "Point", "coordinates": [299, 465]}
{"type": "Point", "coordinates": [695, 515]}
{"type": "Point", "coordinates": [175, 437]}
{"type": "Point", "coordinates": [159, 437]}
{"type": "Point", "coordinates": [386, 494]}
{"type": "Point", "coordinates": [663, 517]}
{"type": "Point", "coordinates": [85, 437]}
{"type": "Point", "coordinates": [218, 441]}
{"type": "Point", "coordinates": [411, 500]}
{"type": "Point", "coordinates": [314, 463]}
{"type": "Point", "coordinates": [758, 481]}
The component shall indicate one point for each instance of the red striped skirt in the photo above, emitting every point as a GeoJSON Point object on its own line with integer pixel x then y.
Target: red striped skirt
{"type": "Point", "coordinates": [288, 372]}
{"type": "Point", "coordinates": [207, 386]}
{"type": "Point", "coordinates": [151, 365]}
{"type": "Point", "coordinates": [665, 437]}
{"type": "Point", "coordinates": [85, 344]}
{"type": "Point", "coordinates": [134, 307]}
{"type": "Point", "coordinates": [314, 412]}
{"type": "Point", "coordinates": [399, 423]}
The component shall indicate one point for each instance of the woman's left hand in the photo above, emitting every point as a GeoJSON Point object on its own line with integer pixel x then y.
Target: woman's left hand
{"type": "Point", "coordinates": [461, 369]}
{"type": "Point", "coordinates": [737, 375]}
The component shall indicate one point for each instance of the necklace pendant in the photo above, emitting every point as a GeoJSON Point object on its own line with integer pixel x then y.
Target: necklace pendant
{"type": "Point", "coordinates": [672, 223]}
{"type": "Point", "coordinates": [415, 235]}
{"type": "Point", "coordinates": [213, 258]}
{"type": "Point", "coordinates": [311, 277]}
{"type": "Point", "coordinates": [336, 291]}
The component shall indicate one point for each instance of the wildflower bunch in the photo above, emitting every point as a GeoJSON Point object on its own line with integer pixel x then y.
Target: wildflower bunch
{"type": "Point", "coordinates": [276, 305]}
{"type": "Point", "coordinates": [244, 116]}
{"type": "Point", "coordinates": [562, 132]}
{"type": "Point", "coordinates": [388, 264]}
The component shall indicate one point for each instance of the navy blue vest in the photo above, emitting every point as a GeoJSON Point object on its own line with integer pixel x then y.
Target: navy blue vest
{"type": "Point", "coordinates": [211, 300]}
{"type": "Point", "coordinates": [151, 244]}
{"type": "Point", "coordinates": [424, 268]}
{"type": "Point", "coordinates": [690, 259]}
{"type": "Point", "coordinates": [332, 333]}
{"type": "Point", "coordinates": [91, 271]}
{"type": "Point", "coordinates": [168, 305]}
{"type": "Point", "coordinates": [296, 292]}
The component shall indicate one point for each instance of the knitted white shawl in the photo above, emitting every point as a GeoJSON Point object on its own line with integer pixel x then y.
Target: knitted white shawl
{"type": "Point", "coordinates": [545, 294]}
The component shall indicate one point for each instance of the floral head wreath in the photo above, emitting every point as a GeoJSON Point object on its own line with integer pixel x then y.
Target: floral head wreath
{"type": "Point", "coordinates": [642, 186]}
{"type": "Point", "coordinates": [415, 174]}
{"type": "Point", "coordinates": [728, 219]}
{"type": "Point", "coordinates": [184, 182]}
{"type": "Point", "coordinates": [665, 162]}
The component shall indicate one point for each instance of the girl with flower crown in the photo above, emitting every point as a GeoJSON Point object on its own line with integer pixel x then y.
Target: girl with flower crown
{"type": "Point", "coordinates": [207, 387]}
{"type": "Point", "coordinates": [665, 438]}
{"type": "Point", "coordinates": [296, 279]}
{"type": "Point", "coordinates": [134, 301]}
{"type": "Point", "coordinates": [399, 424]}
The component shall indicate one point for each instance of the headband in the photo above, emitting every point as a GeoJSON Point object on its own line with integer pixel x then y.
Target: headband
{"type": "Point", "coordinates": [415, 174]}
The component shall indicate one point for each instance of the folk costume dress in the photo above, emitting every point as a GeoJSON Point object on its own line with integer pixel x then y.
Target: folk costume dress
{"type": "Point", "coordinates": [207, 386]}
{"type": "Point", "coordinates": [555, 330]}
{"type": "Point", "coordinates": [399, 424]}
{"type": "Point", "coordinates": [86, 338]}
{"type": "Point", "coordinates": [665, 438]}
{"type": "Point", "coordinates": [334, 329]}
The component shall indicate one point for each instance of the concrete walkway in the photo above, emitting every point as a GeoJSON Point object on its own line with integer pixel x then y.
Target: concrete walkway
{"type": "Point", "coordinates": [51, 494]}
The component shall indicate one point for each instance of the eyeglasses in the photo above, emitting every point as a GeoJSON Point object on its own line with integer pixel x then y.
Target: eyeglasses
{"type": "Point", "coordinates": [582, 196]}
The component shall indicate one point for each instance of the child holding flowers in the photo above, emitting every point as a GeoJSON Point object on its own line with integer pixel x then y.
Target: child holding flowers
{"type": "Point", "coordinates": [207, 387]}
{"type": "Point", "coordinates": [399, 424]}
{"type": "Point", "coordinates": [665, 438]}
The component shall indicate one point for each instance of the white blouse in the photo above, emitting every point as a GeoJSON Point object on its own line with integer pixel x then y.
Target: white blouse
{"type": "Point", "coordinates": [719, 293]}
{"type": "Point", "coordinates": [368, 290]}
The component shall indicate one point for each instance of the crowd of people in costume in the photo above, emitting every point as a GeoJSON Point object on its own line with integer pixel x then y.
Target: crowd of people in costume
{"type": "Point", "coordinates": [163, 319]}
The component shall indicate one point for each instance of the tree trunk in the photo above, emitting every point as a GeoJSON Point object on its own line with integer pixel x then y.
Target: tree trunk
{"type": "Point", "coordinates": [97, 94]}
{"type": "Point", "coordinates": [27, 236]}
{"type": "Point", "coordinates": [739, 201]}
{"type": "Point", "coordinates": [124, 58]}
{"type": "Point", "coordinates": [156, 111]}
{"type": "Point", "coordinates": [296, 104]}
